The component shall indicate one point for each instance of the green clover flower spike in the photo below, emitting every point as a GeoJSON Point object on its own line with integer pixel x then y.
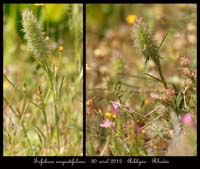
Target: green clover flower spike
{"type": "Point", "coordinates": [34, 35]}
{"type": "Point", "coordinates": [145, 44]}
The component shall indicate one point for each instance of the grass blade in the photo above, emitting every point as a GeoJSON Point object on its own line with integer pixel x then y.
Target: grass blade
{"type": "Point", "coordinates": [163, 41]}
{"type": "Point", "coordinates": [153, 77]}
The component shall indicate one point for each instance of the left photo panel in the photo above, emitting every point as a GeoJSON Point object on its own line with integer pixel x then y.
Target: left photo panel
{"type": "Point", "coordinates": [42, 80]}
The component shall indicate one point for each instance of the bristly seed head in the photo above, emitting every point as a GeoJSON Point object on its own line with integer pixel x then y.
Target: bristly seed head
{"type": "Point", "coordinates": [33, 34]}
{"type": "Point", "coordinates": [143, 40]}
{"type": "Point", "coordinates": [146, 45]}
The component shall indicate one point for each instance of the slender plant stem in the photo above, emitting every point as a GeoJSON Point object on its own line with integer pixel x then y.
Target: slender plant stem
{"type": "Point", "coordinates": [28, 140]}
{"type": "Point", "coordinates": [161, 75]}
{"type": "Point", "coordinates": [23, 126]}
{"type": "Point", "coordinates": [45, 117]}
{"type": "Point", "coordinates": [55, 103]}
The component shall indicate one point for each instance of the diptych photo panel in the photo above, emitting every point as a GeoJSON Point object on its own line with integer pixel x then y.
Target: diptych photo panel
{"type": "Point", "coordinates": [141, 77]}
{"type": "Point", "coordinates": [96, 80]}
{"type": "Point", "coordinates": [42, 79]}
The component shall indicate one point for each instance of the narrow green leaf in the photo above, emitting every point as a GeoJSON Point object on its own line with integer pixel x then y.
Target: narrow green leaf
{"type": "Point", "coordinates": [153, 77]}
{"type": "Point", "coordinates": [179, 100]}
{"type": "Point", "coordinates": [61, 84]}
{"type": "Point", "coordinates": [39, 136]}
{"type": "Point", "coordinates": [163, 41]}
{"type": "Point", "coordinates": [41, 133]}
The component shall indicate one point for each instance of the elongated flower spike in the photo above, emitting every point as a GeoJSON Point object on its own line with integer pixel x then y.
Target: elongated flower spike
{"type": "Point", "coordinates": [145, 44]}
{"type": "Point", "coordinates": [143, 40]}
{"type": "Point", "coordinates": [34, 35]}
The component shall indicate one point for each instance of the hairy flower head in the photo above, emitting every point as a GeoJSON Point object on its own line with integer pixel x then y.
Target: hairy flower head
{"type": "Point", "coordinates": [143, 40]}
{"type": "Point", "coordinates": [33, 34]}
{"type": "Point", "coordinates": [145, 44]}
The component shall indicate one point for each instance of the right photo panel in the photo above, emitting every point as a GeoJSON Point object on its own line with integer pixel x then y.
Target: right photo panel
{"type": "Point", "coordinates": [141, 79]}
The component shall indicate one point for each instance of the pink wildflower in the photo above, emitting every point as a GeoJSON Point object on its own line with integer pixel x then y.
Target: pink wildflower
{"type": "Point", "coordinates": [184, 61]}
{"type": "Point", "coordinates": [106, 123]}
{"type": "Point", "coordinates": [138, 128]}
{"type": "Point", "coordinates": [115, 106]}
{"type": "Point", "coordinates": [186, 119]}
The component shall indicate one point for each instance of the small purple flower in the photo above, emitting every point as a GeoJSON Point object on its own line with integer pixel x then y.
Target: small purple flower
{"type": "Point", "coordinates": [115, 106]}
{"type": "Point", "coordinates": [106, 123]}
{"type": "Point", "coordinates": [186, 119]}
{"type": "Point", "coordinates": [138, 128]}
